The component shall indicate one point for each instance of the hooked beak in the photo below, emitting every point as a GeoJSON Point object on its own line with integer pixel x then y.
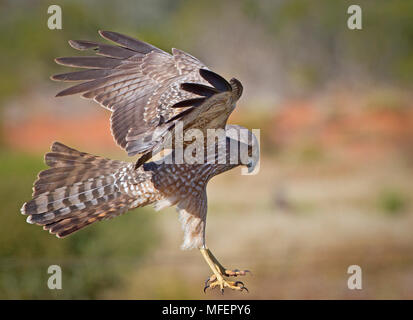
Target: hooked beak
{"type": "Point", "coordinates": [250, 166]}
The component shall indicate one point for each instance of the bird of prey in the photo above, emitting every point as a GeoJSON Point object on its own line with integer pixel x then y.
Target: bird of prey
{"type": "Point", "coordinates": [149, 92]}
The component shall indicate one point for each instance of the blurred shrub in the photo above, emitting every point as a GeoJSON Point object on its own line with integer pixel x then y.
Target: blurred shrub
{"type": "Point", "coordinates": [392, 201]}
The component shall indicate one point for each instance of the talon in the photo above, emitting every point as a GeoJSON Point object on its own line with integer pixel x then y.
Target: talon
{"type": "Point", "coordinates": [218, 279]}
{"type": "Point", "coordinates": [207, 280]}
{"type": "Point", "coordinates": [222, 284]}
{"type": "Point", "coordinates": [244, 288]}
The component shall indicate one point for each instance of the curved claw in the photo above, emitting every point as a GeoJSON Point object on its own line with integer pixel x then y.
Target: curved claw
{"type": "Point", "coordinates": [213, 281]}
{"type": "Point", "coordinates": [244, 288]}
{"type": "Point", "coordinates": [207, 280]}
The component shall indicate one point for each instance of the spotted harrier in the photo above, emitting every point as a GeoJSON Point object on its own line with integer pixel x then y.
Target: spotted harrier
{"type": "Point", "coordinates": [149, 92]}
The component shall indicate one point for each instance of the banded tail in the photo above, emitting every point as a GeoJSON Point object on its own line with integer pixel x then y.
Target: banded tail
{"type": "Point", "coordinates": [77, 190]}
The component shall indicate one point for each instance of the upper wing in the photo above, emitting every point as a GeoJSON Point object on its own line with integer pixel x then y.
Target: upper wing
{"type": "Point", "coordinates": [209, 110]}
{"type": "Point", "coordinates": [134, 79]}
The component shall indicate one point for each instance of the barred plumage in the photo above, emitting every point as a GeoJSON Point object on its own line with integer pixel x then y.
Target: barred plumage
{"type": "Point", "coordinates": [79, 189]}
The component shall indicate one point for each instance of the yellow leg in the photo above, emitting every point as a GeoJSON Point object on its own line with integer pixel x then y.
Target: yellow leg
{"type": "Point", "coordinates": [217, 279]}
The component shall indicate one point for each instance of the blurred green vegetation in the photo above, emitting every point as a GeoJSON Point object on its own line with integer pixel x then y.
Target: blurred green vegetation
{"type": "Point", "coordinates": [382, 50]}
{"type": "Point", "coordinates": [92, 260]}
{"type": "Point", "coordinates": [28, 47]}
{"type": "Point", "coordinates": [392, 201]}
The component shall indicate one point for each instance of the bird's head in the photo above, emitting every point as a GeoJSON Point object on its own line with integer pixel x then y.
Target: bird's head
{"type": "Point", "coordinates": [248, 151]}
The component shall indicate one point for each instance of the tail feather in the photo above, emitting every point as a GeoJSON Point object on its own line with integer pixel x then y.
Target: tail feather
{"type": "Point", "coordinates": [76, 191]}
{"type": "Point", "coordinates": [41, 186]}
{"type": "Point", "coordinates": [56, 159]}
{"type": "Point", "coordinates": [67, 196]}
{"type": "Point", "coordinates": [69, 167]}
{"type": "Point", "coordinates": [64, 156]}
{"type": "Point", "coordinates": [110, 207]}
{"type": "Point", "coordinates": [71, 176]}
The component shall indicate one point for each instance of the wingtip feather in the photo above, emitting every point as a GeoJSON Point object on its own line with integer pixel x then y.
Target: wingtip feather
{"type": "Point", "coordinates": [60, 61]}
{"type": "Point", "coordinates": [74, 44]}
{"type": "Point", "coordinates": [103, 32]}
{"type": "Point", "coordinates": [61, 94]}
{"type": "Point", "coordinates": [23, 209]}
{"type": "Point", "coordinates": [29, 220]}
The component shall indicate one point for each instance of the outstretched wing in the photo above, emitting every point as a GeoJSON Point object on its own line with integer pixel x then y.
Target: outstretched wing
{"type": "Point", "coordinates": [138, 82]}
